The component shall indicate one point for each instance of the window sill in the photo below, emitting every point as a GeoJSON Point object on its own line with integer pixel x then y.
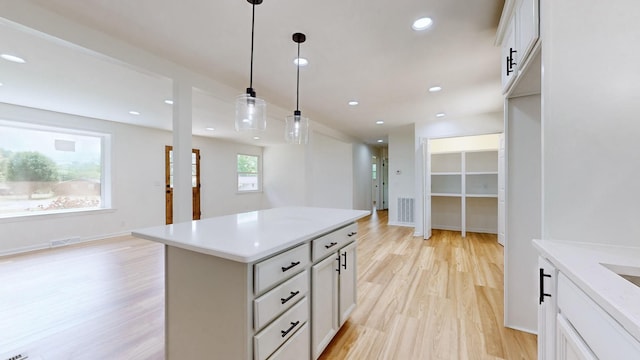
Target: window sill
{"type": "Point", "coordinates": [248, 192]}
{"type": "Point", "coordinates": [43, 215]}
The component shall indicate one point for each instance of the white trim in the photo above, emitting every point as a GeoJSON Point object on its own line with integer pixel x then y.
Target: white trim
{"type": "Point", "coordinates": [47, 245]}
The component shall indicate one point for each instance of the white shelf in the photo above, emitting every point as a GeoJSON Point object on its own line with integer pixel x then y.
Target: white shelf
{"type": "Point", "coordinates": [445, 173]}
{"type": "Point", "coordinates": [468, 173]}
{"type": "Point", "coordinates": [481, 195]}
{"type": "Point", "coordinates": [447, 195]}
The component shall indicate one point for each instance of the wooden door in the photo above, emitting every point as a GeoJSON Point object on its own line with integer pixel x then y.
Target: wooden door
{"type": "Point", "coordinates": [195, 182]}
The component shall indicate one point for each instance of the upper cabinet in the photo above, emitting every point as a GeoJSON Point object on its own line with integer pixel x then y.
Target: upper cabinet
{"type": "Point", "coordinates": [518, 34]}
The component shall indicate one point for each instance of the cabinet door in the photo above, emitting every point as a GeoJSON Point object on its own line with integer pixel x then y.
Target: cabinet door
{"type": "Point", "coordinates": [547, 310]}
{"type": "Point", "coordinates": [528, 27]}
{"type": "Point", "coordinates": [509, 57]}
{"type": "Point", "coordinates": [324, 303]}
{"type": "Point", "coordinates": [570, 344]}
{"type": "Point", "coordinates": [348, 279]}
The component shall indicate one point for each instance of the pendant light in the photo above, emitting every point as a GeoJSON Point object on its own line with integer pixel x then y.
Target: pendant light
{"type": "Point", "coordinates": [251, 112]}
{"type": "Point", "coordinates": [297, 127]}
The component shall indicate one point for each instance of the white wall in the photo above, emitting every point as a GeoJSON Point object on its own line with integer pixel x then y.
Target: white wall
{"type": "Point", "coordinates": [331, 174]}
{"type": "Point", "coordinates": [137, 183]}
{"type": "Point", "coordinates": [591, 102]}
{"type": "Point", "coordinates": [401, 170]}
{"type": "Point", "coordinates": [362, 180]}
{"type": "Point", "coordinates": [285, 179]}
{"type": "Point", "coordinates": [491, 123]}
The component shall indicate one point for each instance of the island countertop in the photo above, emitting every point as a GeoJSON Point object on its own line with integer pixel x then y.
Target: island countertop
{"type": "Point", "coordinates": [583, 264]}
{"type": "Point", "coordinates": [251, 236]}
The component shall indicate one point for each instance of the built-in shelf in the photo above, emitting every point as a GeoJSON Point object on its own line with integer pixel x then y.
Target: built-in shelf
{"type": "Point", "coordinates": [464, 191]}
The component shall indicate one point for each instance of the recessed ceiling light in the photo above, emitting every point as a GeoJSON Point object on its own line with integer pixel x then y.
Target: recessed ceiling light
{"type": "Point", "coordinates": [441, 114]}
{"type": "Point", "coordinates": [169, 102]}
{"type": "Point", "coordinates": [353, 103]}
{"type": "Point", "coordinates": [422, 24]}
{"type": "Point", "coordinates": [1, 84]}
{"type": "Point", "coordinates": [134, 113]}
{"type": "Point", "coordinates": [13, 58]}
{"type": "Point", "coordinates": [301, 61]}
{"type": "Point", "coordinates": [380, 141]}
{"type": "Point", "coordinates": [210, 129]}
{"type": "Point", "coordinates": [435, 88]}
{"type": "Point", "coordinates": [379, 122]}
{"type": "Point", "coordinates": [256, 138]}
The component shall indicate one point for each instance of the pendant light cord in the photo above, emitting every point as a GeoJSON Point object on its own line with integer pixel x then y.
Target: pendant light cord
{"type": "Point", "coordinates": [298, 81]}
{"type": "Point", "coordinates": [253, 21]}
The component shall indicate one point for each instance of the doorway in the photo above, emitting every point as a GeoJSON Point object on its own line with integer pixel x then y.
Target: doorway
{"type": "Point", "coordinates": [195, 183]}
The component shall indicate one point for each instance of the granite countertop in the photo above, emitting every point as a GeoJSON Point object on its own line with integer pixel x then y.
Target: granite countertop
{"type": "Point", "coordinates": [251, 236]}
{"type": "Point", "coordinates": [582, 264]}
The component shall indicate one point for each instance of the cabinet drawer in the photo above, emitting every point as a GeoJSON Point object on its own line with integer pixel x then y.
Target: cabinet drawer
{"type": "Point", "coordinates": [278, 300]}
{"type": "Point", "coordinates": [297, 348]}
{"type": "Point", "coordinates": [272, 271]}
{"type": "Point", "coordinates": [604, 335]}
{"type": "Point", "coordinates": [283, 328]}
{"type": "Point", "coordinates": [333, 241]}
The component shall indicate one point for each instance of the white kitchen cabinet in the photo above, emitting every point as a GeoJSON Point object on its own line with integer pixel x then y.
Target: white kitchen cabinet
{"type": "Point", "coordinates": [324, 304]}
{"type": "Point", "coordinates": [528, 27]}
{"type": "Point", "coordinates": [347, 282]}
{"type": "Point", "coordinates": [333, 295]}
{"type": "Point", "coordinates": [235, 291]}
{"type": "Point", "coordinates": [509, 56]}
{"type": "Point", "coordinates": [547, 309]}
{"type": "Point", "coordinates": [570, 344]}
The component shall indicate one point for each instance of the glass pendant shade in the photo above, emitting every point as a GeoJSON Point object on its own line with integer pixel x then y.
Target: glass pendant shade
{"type": "Point", "coordinates": [251, 113]}
{"type": "Point", "coordinates": [296, 129]}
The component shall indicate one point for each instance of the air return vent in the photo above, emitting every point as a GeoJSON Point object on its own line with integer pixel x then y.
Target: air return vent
{"type": "Point", "coordinates": [405, 210]}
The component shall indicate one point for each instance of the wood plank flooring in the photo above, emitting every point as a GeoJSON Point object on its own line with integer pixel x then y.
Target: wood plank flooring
{"type": "Point", "coordinates": [435, 299]}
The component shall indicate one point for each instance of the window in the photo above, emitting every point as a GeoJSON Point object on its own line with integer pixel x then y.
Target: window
{"type": "Point", "coordinates": [374, 171]}
{"type": "Point", "coordinates": [49, 170]}
{"type": "Point", "coordinates": [248, 173]}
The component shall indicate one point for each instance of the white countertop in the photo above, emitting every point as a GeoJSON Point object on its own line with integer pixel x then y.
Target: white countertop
{"type": "Point", "coordinates": [581, 263]}
{"type": "Point", "coordinates": [248, 237]}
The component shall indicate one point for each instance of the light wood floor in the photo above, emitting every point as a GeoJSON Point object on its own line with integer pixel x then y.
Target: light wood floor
{"type": "Point", "coordinates": [435, 299]}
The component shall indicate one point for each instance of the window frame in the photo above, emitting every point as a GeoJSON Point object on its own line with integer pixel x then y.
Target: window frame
{"type": "Point", "coordinates": [258, 174]}
{"type": "Point", "coordinates": [106, 201]}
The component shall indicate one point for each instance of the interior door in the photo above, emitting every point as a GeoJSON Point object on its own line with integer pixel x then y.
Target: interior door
{"type": "Point", "coordinates": [375, 182]}
{"type": "Point", "coordinates": [195, 183]}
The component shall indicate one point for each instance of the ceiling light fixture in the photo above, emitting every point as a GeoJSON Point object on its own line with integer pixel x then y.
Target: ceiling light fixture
{"type": "Point", "coordinates": [251, 112]}
{"type": "Point", "coordinates": [296, 130]}
{"type": "Point", "coordinates": [379, 122]}
{"type": "Point", "coordinates": [422, 24]}
{"type": "Point", "coordinates": [435, 88]}
{"type": "Point", "coordinates": [134, 112]}
{"type": "Point", "coordinates": [13, 58]}
{"type": "Point", "coordinates": [353, 103]}
{"type": "Point", "coordinates": [299, 61]}
{"type": "Point", "coordinates": [256, 138]}
{"type": "Point", "coordinates": [440, 114]}
{"type": "Point", "coordinates": [380, 141]}
{"type": "Point", "coordinates": [209, 129]}
{"type": "Point", "coordinates": [168, 102]}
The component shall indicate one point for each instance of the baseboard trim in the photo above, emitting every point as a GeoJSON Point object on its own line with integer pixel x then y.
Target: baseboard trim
{"type": "Point", "coordinates": [47, 245]}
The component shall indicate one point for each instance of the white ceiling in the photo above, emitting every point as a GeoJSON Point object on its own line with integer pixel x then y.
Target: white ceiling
{"type": "Point", "coordinates": [358, 49]}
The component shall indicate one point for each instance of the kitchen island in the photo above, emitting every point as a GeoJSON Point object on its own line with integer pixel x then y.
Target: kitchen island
{"type": "Point", "coordinates": [269, 284]}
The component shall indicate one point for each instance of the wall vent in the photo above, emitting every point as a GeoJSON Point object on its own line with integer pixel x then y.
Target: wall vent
{"type": "Point", "coordinates": [405, 210]}
{"type": "Point", "coordinates": [63, 242]}
{"type": "Point", "coordinates": [22, 356]}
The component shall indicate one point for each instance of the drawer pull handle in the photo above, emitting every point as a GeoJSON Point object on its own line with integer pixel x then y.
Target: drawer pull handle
{"type": "Point", "coordinates": [293, 325]}
{"type": "Point", "coordinates": [293, 293]}
{"type": "Point", "coordinates": [542, 293]}
{"type": "Point", "coordinates": [331, 245]}
{"type": "Point", "coordinates": [352, 233]}
{"type": "Point", "coordinates": [293, 264]}
{"type": "Point", "coordinates": [344, 254]}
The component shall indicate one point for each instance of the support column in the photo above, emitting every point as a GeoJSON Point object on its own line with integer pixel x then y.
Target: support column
{"type": "Point", "coordinates": [182, 120]}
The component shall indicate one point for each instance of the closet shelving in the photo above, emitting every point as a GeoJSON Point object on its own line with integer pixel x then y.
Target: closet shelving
{"type": "Point", "coordinates": [464, 190]}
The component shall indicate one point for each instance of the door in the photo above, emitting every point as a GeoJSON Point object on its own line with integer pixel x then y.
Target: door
{"type": "Point", "coordinates": [348, 288]}
{"type": "Point", "coordinates": [324, 303]}
{"type": "Point", "coordinates": [385, 184]}
{"type": "Point", "coordinates": [195, 183]}
{"type": "Point", "coordinates": [375, 182]}
{"type": "Point", "coordinates": [501, 192]}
